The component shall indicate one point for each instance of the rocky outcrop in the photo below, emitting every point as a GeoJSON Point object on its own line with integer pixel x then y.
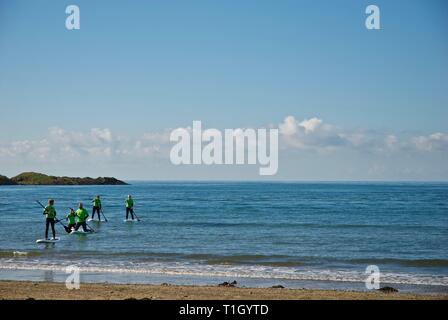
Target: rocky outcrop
{"type": "Point", "coordinates": [388, 290]}
{"type": "Point", "coordinates": [279, 286]}
{"type": "Point", "coordinates": [227, 284]}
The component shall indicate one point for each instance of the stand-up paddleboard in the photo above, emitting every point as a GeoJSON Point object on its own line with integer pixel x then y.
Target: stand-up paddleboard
{"type": "Point", "coordinates": [94, 220]}
{"type": "Point", "coordinates": [80, 232]}
{"type": "Point", "coordinates": [130, 220]}
{"type": "Point", "coordinates": [48, 240]}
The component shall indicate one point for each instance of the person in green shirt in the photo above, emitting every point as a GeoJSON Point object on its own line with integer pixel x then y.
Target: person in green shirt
{"type": "Point", "coordinates": [81, 216]}
{"type": "Point", "coordinates": [129, 207]}
{"type": "Point", "coordinates": [96, 207]}
{"type": "Point", "coordinates": [71, 218]}
{"type": "Point", "coordinates": [50, 214]}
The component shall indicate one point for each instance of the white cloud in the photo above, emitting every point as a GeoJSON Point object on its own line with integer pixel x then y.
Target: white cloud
{"type": "Point", "coordinates": [435, 141]}
{"type": "Point", "coordinates": [101, 144]}
{"type": "Point", "coordinates": [310, 125]}
{"type": "Point", "coordinates": [101, 134]}
{"type": "Point", "coordinates": [289, 126]}
{"type": "Point", "coordinates": [314, 134]}
{"type": "Point", "coordinates": [309, 134]}
{"type": "Point", "coordinates": [96, 144]}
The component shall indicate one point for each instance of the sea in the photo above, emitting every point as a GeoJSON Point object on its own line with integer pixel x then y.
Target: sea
{"type": "Point", "coordinates": [324, 235]}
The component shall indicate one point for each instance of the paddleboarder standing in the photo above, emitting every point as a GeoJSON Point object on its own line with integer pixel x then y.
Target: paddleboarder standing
{"type": "Point", "coordinates": [50, 214]}
{"type": "Point", "coordinates": [96, 207]}
{"type": "Point", "coordinates": [129, 207]}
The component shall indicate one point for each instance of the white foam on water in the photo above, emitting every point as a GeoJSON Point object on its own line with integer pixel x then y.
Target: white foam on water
{"type": "Point", "coordinates": [19, 253]}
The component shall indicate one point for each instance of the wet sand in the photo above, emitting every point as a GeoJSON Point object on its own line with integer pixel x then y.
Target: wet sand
{"type": "Point", "coordinates": [104, 291]}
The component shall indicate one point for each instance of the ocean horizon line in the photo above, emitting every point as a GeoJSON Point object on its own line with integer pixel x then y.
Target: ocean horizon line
{"type": "Point", "coordinates": [252, 181]}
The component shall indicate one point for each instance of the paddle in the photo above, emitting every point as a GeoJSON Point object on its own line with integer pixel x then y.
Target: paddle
{"type": "Point", "coordinates": [135, 215]}
{"type": "Point", "coordinates": [103, 214]}
{"type": "Point", "coordinates": [90, 228]}
{"type": "Point", "coordinates": [40, 204]}
{"type": "Point", "coordinates": [67, 229]}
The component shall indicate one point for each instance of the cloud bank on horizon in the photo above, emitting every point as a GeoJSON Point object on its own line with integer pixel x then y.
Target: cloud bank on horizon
{"type": "Point", "coordinates": [310, 149]}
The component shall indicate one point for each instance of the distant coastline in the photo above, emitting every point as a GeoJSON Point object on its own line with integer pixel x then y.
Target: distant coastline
{"type": "Point", "coordinates": [34, 178]}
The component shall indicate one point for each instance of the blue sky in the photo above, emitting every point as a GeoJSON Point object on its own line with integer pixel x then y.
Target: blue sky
{"type": "Point", "coordinates": [139, 67]}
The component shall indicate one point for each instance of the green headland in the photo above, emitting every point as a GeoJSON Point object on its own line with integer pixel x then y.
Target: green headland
{"type": "Point", "coordinates": [34, 178]}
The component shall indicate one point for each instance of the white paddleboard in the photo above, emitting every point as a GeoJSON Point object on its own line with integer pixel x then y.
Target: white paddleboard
{"type": "Point", "coordinates": [48, 240]}
{"type": "Point", "coordinates": [130, 220]}
{"type": "Point", "coordinates": [94, 220]}
{"type": "Point", "coordinates": [80, 232]}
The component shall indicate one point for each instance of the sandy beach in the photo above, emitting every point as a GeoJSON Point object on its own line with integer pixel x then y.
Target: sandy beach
{"type": "Point", "coordinates": [12, 290]}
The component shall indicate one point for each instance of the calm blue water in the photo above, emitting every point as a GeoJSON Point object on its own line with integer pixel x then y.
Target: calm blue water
{"type": "Point", "coordinates": [293, 232]}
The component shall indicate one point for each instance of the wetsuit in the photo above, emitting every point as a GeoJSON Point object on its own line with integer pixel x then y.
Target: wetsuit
{"type": "Point", "coordinates": [81, 215]}
{"type": "Point", "coordinates": [71, 221]}
{"type": "Point", "coordinates": [129, 208]}
{"type": "Point", "coordinates": [96, 208]}
{"type": "Point", "coordinates": [50, 214]}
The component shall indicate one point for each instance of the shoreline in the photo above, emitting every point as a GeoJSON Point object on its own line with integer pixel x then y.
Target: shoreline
{"type": "Point", "coordinates": [94, 277]}
{"type": "Point", "coordinates": [42, 290]}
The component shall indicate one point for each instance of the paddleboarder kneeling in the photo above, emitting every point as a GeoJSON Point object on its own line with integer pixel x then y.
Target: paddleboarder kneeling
{"type": "Point", "coordinates": [71, 220]}
{"type": "Point", "coordinates": [50, 214]}
{"type": "Point", "coordinates": [81, 215]}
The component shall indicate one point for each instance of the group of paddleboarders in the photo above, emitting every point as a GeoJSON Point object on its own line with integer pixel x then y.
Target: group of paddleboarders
{"type": "Point", "coordinates": [77, 219]}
